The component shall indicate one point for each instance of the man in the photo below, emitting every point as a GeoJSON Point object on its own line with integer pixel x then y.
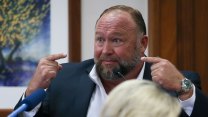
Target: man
{"type": "Point", "coordinates": [79, 89]}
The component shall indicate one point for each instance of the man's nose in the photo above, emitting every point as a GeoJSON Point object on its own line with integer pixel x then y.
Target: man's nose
{"type": "Point", "coordinates": [107, 48]}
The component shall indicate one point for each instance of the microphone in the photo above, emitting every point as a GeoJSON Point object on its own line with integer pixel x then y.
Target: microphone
{"type": "Point", "coordinates": [29, 102]}
{"type": "Point", "coordinates": [118, 73]}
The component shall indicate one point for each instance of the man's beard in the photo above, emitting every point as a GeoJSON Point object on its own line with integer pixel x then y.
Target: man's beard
{"type": "Point", "coordinates": [123, 67]}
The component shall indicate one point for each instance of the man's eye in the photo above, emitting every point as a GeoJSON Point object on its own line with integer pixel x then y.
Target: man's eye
{"type": "Point", "coordinates": [116, 40]}
{"type": "Point", "coordinates": [99, 39]}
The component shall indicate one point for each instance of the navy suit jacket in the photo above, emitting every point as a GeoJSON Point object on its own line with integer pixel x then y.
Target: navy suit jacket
{"type": "Point", "coordinates": [70, 93]}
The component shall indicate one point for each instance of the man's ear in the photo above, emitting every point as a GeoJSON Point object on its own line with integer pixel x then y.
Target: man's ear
{"type": "Point", "coordinates": [143, 43]}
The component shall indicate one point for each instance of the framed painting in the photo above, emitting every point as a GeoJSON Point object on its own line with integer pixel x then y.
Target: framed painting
{"type": "Point", "coordinates": [49, 35]}
{"type": "Point", "coordinates": [24, 34]}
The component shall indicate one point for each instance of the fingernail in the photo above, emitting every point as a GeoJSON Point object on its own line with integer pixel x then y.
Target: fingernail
{"type": "Point", "coordinates": [64, 54]}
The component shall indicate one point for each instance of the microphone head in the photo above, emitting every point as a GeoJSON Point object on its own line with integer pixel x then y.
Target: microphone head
{"type": "Point", "coordinates": [34, 99]}
{"type": "Point", "coordinates": [118, 74]}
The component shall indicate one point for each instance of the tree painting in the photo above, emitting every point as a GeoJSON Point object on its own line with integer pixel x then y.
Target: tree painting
{"type": "Point", "coordinates": [24, 29]}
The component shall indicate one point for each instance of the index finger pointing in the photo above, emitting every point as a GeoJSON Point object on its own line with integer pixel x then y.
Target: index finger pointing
{"type": "Point", "coordinates": [54, 57]}
{"type": "Point", "coordinates": [151, 59]}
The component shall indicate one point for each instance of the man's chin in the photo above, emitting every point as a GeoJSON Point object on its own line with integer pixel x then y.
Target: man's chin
{"type": "Point", "coordinates": [108, 68]}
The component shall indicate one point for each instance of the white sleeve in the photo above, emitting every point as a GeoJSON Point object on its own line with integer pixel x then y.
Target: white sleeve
{"type": "Point", "coordinates": [32, 112]}
{"type": "Point", "coordinates": [188, 104]}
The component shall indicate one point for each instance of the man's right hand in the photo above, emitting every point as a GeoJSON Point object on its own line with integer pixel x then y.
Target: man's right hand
{"type": "Point", "coordinates": [46, 70]}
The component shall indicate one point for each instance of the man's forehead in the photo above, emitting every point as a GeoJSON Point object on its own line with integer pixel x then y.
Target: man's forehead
{"type": "Point", "coordinates": [115, 19]}
{"type": "Point", "coordinates": [116, 14]}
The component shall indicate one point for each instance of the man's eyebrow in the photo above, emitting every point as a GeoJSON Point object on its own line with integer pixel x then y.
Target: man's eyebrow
{"type": "Point", "coordinates": [98, 33]}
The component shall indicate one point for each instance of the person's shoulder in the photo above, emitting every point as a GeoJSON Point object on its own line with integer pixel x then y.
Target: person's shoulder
{"type": "Point", "coordinates": [85, 63]}
{"type": "Point", "coordinates": [75, 69]}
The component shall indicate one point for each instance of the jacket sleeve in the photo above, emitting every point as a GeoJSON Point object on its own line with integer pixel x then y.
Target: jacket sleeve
{"type": "Point", "coordinates": [200, 105]}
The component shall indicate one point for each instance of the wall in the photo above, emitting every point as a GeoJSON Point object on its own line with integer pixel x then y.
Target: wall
{"type": "Point", "coordinates": [91, 10]}
{"type": "Point", "coordinates": [180, 26]}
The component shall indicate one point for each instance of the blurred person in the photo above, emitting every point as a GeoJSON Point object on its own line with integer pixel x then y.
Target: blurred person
{"type": "Point", "coordinates": [140, 98]}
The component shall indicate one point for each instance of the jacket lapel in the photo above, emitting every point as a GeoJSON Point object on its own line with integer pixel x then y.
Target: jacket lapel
{"type": "Point", "coordinates": [147, 72]}
{"type": "Point", "coordinates": [83, 94]}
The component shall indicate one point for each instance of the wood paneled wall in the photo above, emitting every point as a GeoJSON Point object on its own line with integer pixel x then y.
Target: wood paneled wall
{"type": "Point", "coordinates": [178, 31]}
{"type": "Point", "coordinates": [74, 30]}
{"type": "Point", "coordinates": [5, 112]}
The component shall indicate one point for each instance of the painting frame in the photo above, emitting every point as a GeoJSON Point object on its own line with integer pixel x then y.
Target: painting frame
{"type": "Point", "coordinates": [11, 95]}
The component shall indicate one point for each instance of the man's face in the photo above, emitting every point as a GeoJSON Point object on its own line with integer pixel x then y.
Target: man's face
{"type": "Point", "coordinates": [117, 45]}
